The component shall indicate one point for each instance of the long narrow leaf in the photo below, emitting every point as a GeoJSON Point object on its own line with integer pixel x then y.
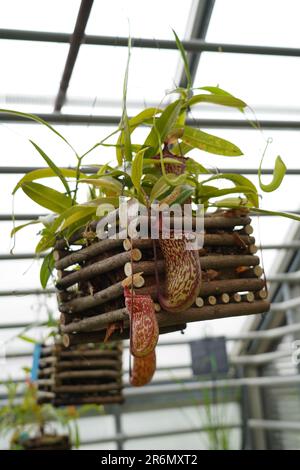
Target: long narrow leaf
{"type": "Point", "coordinates": [45, 173]}
{"type": "Point", "coordinates": [52, 165]}
{"type": "Point", "coordinates": [184, 59]}
{"type": "Point", "coordinates": [210, 143]}
{"type": "Point", "coordinates": [47, 197]}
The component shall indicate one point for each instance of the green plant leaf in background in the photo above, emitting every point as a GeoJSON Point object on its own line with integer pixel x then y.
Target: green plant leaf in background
{"type": "Point", "coordinates": [238, 180]}
{"type": "Point", "coordinates": [47, 197]}
{"type": "Point", "coordinates": [45, 173]}
{"type": "Point", "coordinates": [217, 99]}
{"type": "Point", "coordinates": [107, 183]}
{"type": "Point", "coordinates": [278, 175]}
{"type": "Point", "coordinates": [20, 227]}
{"type": "Point", "coordinates": [28, 339]}
{"type": "Point", "coordinates": [39, 120]}
{"type": "Point", "coordinates": [133, 123]}
{"type": "Point", "coordinates": [53, 167]}
{"type": "Point", "coordinates": [46, 269]}
{"type": "Point", "coordinates": [210, 143]}
{"type": "Point", "coordinates": [137, 169]}
{"type": "Point", "coordinates": [184, 59]}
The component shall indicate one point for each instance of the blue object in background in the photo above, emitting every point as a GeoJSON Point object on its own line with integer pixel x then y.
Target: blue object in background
{"type": "Point", "coordinates": [35, 361]}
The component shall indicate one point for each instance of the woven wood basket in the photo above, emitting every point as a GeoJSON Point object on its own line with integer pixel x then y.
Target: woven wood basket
{"type": "Point", "coordinates": [90, 374]}
{"type": "Point", "coordinates": [91, 279]}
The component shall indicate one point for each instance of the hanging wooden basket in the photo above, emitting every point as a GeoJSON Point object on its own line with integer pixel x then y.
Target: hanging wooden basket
{"type": "Point", "coordinates": [91, 280]}
{"type": "Point", "coordinates": [81, 375]}
{"type": "Point", "coordinates": [45, 442]}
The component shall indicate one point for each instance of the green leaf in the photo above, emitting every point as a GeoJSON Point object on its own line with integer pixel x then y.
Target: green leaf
{"type": "Point", "coordinates": [20, 227]}
{"type": "Point", "coordinates": [137, 169]}
{"type": "Point", "coordinates": [52, 165]}
{"type": "Point", "coordinates": [46, 269]}
{"type": "Point", "coordinates": [105, 182]}
{"type": "Point", "coordinates": [278, 175]}
{"type": "Point", "coordinates": [235, 203]}
{"type": "Point", "coordinates": [209, 143]}
{"type": "Point", "coordinates": [224, 100]}
{"type": "Point", "coordinates": [133, 123]}
{"type": "Point", "coordinates": [194, 167]}
{"type": "Point", "coordinates": [186, 193]}
{"type": "Point", "coordinates": [160, 188]}
{"type": "Point", "coordinates": [45, 173]}
{"type": "Point", "coordinates": [35, 118]}
{"type": "Point", "coordinates": [182, 148]}
{"type": "Point", "coordinates": [216, 192]}
{"type": "Point", "coordinates": [28, 339]}
{"type": "Point", "coordinates": [162, 126]}
{"type": "Point", "coordinates": [76, 214]}
{"type": "Point", "coordinates": [184, 59]}
{"type": "Point", "coordinates": [239, 180]}
{"type": "Point", "coordinates": [47, 197]}
{"type": "Point", "coordinates": [219, 91]}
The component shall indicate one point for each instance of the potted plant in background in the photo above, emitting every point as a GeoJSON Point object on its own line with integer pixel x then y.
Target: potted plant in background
{"type": "Point", "coordinates": [164, 283]}
{"type": "Point", "coordinates": [34, 426]}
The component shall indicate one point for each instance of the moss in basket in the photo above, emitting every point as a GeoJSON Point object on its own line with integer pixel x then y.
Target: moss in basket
{"type": "Point", "coordinates": [141, 169]}
{"type": "Point", "coordinates": [26, 419]}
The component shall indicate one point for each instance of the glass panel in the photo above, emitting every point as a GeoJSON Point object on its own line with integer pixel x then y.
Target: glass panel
{"type": "Point", "coordinates": [99, 73]}
{"type": "Point", "coordinates": [27, 73]}
{"type": "Point", "coordinates": [53, 15]}
{"type": "Point", "coordinates": [153, 19]}
{"type": "Point", "coordinates": [255, 22]}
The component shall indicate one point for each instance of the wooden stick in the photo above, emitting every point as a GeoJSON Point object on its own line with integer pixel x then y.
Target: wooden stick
{"type": "Point", "coordinates": [211, 300]}
{"type": "Point", "coordinates": [157, 307]}
{"type": "Point", "coordinates": [90, 353]}
{"type": "Point", "coordinates": [213, 312]}
{"type": "Point", "coordinates": [190, 315]}
{"type": "Point", "coordinates": [207, 262]}
{"type": "Point", "coordinates": [249, 297]}
{"type": "Point", "coordinates": [87, 388]}
{"type": "Point", "coordinates": [88, 400]}
{"type": "Point", "coordinates": [236, 297]}
{"type": "Point", "coordinates": [96, 322]}
{"type": "Point", "coordinates": [137, 280]}
{"type": "Point", "coordinates": [84, 303]}
{"type": "Point", "coordinates": [224, 298]}
{"type": "Point", "coordinates": [199, 302]}
{"type": "Point", "coordinates": [84, 338]}
{"type": "Point", "coordinates": [87, 253]}
{"type": "Point", "coordinates": [88, 363]}
{"type": "Point", "coordinates": [210, 239]}
{"type": "Point", "coordinates": [262, 294]}
{"type": "Point", "coordinates": [71, 374]}
{"type": "Point", "coordinates": [253, 249]}
{"type": "Point", "coordinates": [100, 267]}
{"type": "Point", "coordinates": [248, 229]}
{"type": "Point", "coordinates": [209, 221]}
{"type": "Point", "coordinates": [217, 287]}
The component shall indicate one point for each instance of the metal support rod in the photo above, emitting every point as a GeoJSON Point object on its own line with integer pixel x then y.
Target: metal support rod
{"type": "Point", "coordinates": [192, 45]}
{"type": "Point", "coordinates": [200, 17]}
{"type": "Point", "coordinates": [20, 170]}
{"type": "Point", "coordinates": [10, 217]}
{"type": "Point", "coordinates": [82, 119]}
{"type": "Point", "coordinates": [172, 432]}
{"type": "Point", "coordinates": [77, 39]}
{"type": "Point", "coordinates": [274, 425]}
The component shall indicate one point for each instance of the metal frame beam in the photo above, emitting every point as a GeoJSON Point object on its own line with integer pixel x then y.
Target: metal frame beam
{"type": "Point", "coordinates": [98, 120]}
{"type": "Point", "coordinates": [77, 39]}
{"type": "Point", "coordinates": [192, 45]}
{"type": "Point", "coordinates": [20, 170]}
{"type": "Point", "coordinates": [200, 17]}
